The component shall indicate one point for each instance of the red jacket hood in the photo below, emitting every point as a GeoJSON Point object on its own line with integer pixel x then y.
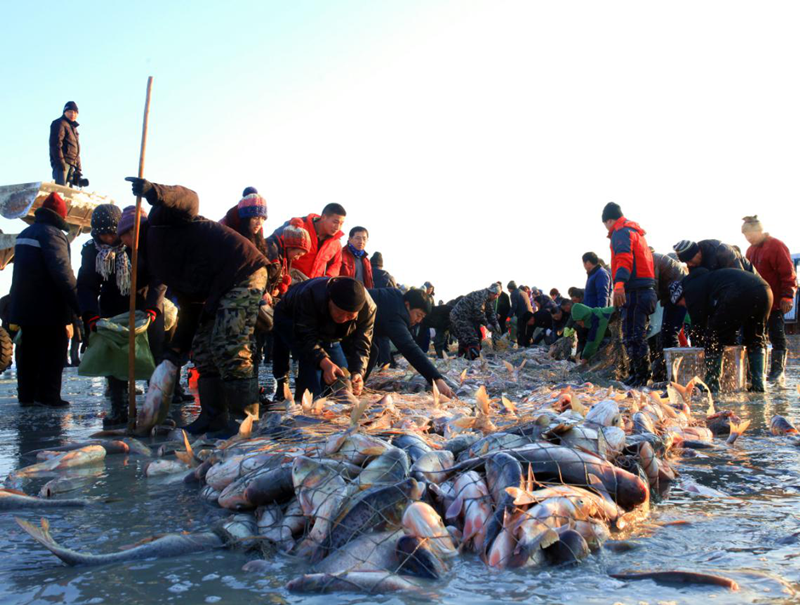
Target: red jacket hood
{"type": "Point", "coordinates": [623, 222]}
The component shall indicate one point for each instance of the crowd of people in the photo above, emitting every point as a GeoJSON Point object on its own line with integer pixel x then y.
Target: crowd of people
{"type": "Point", "coordinates": [304, 292]}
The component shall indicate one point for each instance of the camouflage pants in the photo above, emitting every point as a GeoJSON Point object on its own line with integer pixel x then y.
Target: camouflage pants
{"type": "Point", "coordinates": [224, 346]}
{"type": "Point", "coordinates": [466, 330]}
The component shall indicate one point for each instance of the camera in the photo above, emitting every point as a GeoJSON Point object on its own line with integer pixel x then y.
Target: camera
{"type": "Point", "coordinates": [77, 179]}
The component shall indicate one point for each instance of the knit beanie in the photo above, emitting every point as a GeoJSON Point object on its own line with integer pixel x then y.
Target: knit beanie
{"type": "Point", "coordinates": [377, 260]}
{"type": "Point", "coordinates": [751, 223]}
{"type": "Point", "coordinates": [55, 203]}
{"type": "Point", "coordinates": [104, 219]}
{"type": "Point", "coordinates": [252, 205]}
{"type": "Point", "coordinates": [296, 237]}
{"type": "Point", "coordinates": [347, 294]}
{"type": "Point", "coordinates": [127, 219]}
{"type": "Point", "coordinates": [71, 105]}
{"type": "Point", "coordinates": [612, 211]}
{"type": "Point", "coordinates": [248, 190]}
{"type": "Point", "coordinates": [495, 288]}
{"type": "Point", "coordinates": [686, 250]}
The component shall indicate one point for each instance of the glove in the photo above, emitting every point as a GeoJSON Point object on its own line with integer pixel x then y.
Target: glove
{"type": "Point", "coordinates": [90, 321]}
{"type": "Point", "coordinates": [152, 314]}
{"type": "Point", "coordinates": [84, 343]}
{"type": "Point", "coordinates": [140, 187]}
{"type": "Point", "coordinates": [568, 332]}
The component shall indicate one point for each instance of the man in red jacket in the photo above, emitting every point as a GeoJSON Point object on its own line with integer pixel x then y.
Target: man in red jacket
{"type": "Point", "coordinates": [355, 260]}
{"type": "Point", "coordinates": [325, 257]}
{"type": "Point", "coordinates": [772, 260]}
{"type": "Point", "coordinates": [634, 288]}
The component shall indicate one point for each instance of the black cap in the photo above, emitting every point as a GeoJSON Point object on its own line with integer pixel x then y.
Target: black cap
{"type": "Point", "coordinates": [71, 105]}
{"type": "Point", "coordinates": [612, 211]}
{"type": "Point", "coordinates": [347, 294]}
{"type": "Point", "coordinates": [248, 190]}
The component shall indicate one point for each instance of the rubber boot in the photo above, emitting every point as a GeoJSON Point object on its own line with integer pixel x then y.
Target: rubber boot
{"type": "Point", "coordinates": [278, 396]}
{"type": "Point", "coordinates": [242, 399]}
{"type": "Point", "coordinates": [713, 370]}
{"type": "Point", "coordinates": [777, 371]}
{"type": "Point", "coordinates": [635, 371]}
{"type": "Point", "coordinates": [117, 391]}
{"type": "Point", "coordinates": [756, 361]}
{"type": "Point", "coordinates": [645, 371]}
{"type": "Point", "coordinates": [213, 411]}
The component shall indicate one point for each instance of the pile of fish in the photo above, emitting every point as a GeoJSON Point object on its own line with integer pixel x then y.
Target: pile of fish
{"type": "Point", "coordinates": [384, 492]}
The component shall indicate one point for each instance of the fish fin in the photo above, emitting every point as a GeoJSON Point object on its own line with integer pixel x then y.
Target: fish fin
{"type": "Point", "coordinates": [358, 411]}
{"type": "Point", "coordinates": [576, 405]}
{"type": "Point", "coordinates": [319, 405]}
{"type": "Point", "coordinates": [530, 481]}
{"type": "Point", "coordinates": [454, 509]}
{"type": "Point", "coordinates": [509, 367]}
{"type": "Point", "coordinates": [510, 407]}
{"type": "Point", "coordinates": [435, 391]}
{"type": "Point", "coordinates": [463, 375]}
{"type": "Point", "coordinates": [602, 445]}
{"type": "Point", "coordinates": [548, 538]}
{"type": "Point", "coordinates": [306, 401]}
{"type": "Point", "coordinates": [482, 401]}
{"type": "Point", "coordinates": [287, 392]}
{"type": "Point", "coordinates": [522, 365]}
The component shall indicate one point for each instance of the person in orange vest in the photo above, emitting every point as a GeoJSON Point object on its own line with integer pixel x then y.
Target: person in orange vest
{"type": "Point", "coordinates": [355, 260]}
{"type": "Point", "coordinates": [325, 257]}
{"type": "Point", "coordinates": [633, 275]}
{"type": "Point", "coordinates": [773, 262]}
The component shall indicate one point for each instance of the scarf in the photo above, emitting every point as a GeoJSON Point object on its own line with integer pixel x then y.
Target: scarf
{"type": "Point", "coordinates": [355, 252]}
{"type": "Point", "coordinates": [112, 259]}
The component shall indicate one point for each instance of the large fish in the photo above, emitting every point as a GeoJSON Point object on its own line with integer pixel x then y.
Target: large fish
{"type": "Point", "coordinates": [415, 557]}
{"type": "Point", "coordinates": [503, 471]}
{"type": "Point", "coordinates": [371, 510]}
{"type": "Point", "coordinates": [389, 468]}
{"type": "Point", "coordinates": [474, 504]}
{"type": "Point", "coordinates": [433, 467]}
{"type": "Point", "coordinates": [321, 494]}
{"type": "Point", "coordinates": [262, 486]}
{"type": "Point", "coordinates": [170, 545]}
{"type": "Point", "coordinates": [779, 425]}
{"type": "Point", "coordinates": [159, 396]}
{"type": "Point", "coordinates": [558, 463]}
{"type": "Point", "coordinates": [422, 521]}
{"type": "Point", "coordinates": [372, 582]}
{"type": "Point", "coordinates": [85, 456]}
{"type": "Point", "coordinates": [15, 500]}
{"type": "Point", "coordinates": [355, 447]}
{"type": "Point", "coordinates": [368, 552]}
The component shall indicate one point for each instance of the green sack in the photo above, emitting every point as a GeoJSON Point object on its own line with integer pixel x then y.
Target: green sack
{"type": "Point", "coordinates": [107, 353]}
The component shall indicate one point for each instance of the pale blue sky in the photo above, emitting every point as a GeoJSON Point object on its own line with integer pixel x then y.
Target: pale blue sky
{"type": "Point", "coordinates": [477, 140]}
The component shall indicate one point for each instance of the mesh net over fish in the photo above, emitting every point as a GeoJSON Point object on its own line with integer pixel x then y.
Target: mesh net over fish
{"type": "Point", "coordinates": [347, 497]}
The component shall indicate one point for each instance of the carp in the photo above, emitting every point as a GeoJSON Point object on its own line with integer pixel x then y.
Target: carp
{"type": "Point", "coordinates": [372, 582]}
{"type": "Point", "coordinates": [15, 500]}
{"type": "Point", "coordinates": [159, 397]}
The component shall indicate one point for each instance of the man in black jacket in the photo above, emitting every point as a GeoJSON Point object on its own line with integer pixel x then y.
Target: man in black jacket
{"type": "Point", "coordinates": [219, 278]}
{"type": "Point", "coordinates": [668, 271]}
{"type": "Point", "coordinates": [43, 302]}
{"type": "Point", "coordinates": [711, 254]}
{"type": "Point", "coordinates": [397, 313]}
{"type": "Point", "coordinates": [380, 277]}
{"type": "Point", "coordinates": [65, 147]}
{"type": "Point", "coordinates": [313, 320]}
{"type": "Point", "coordinates": [725, 301]}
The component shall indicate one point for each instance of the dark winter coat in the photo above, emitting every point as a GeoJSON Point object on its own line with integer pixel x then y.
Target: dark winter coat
{"type": "Point", "coordinates": [306, 305]}
{"type": "Point", "coordinates": [726, 294]}
{"type": "Point", "coordinates": [774, 263]}
{"type": "Point", "coordinates": [545, 303]}
{"type": "Point", "coordinates": [717, 255]}
{"type": "Point", "coordinates": [597, 293]}
{"type": "Point", "coordinates": [393, 322]}
{"type": "Point", "coordinates": [382, 279]}
{"type": "Point", "coordinates": [503, 309]}
{"type": "Point", "coordinates": [667, 270]}
{"type": "Point", "coordinates": [278, 277]}
{"type": "Point", "coordinates": [631, 259]}
{"type": "Point", "coordinates": [200, 260]}
{"type": "Point", "coordinates": [102, 298]}
{"type": "Point", "coordinates": [438, 318]}
{"type": "Point", "coordinates": [65, 147]}
{"type": "Point", "coordinates": [43, 288]}
{"type": "Point", "coordinates": [520, 303]}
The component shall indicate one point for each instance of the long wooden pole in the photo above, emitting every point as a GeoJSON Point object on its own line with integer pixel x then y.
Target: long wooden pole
{"type": "Point", "coordinates": [134, 270]}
